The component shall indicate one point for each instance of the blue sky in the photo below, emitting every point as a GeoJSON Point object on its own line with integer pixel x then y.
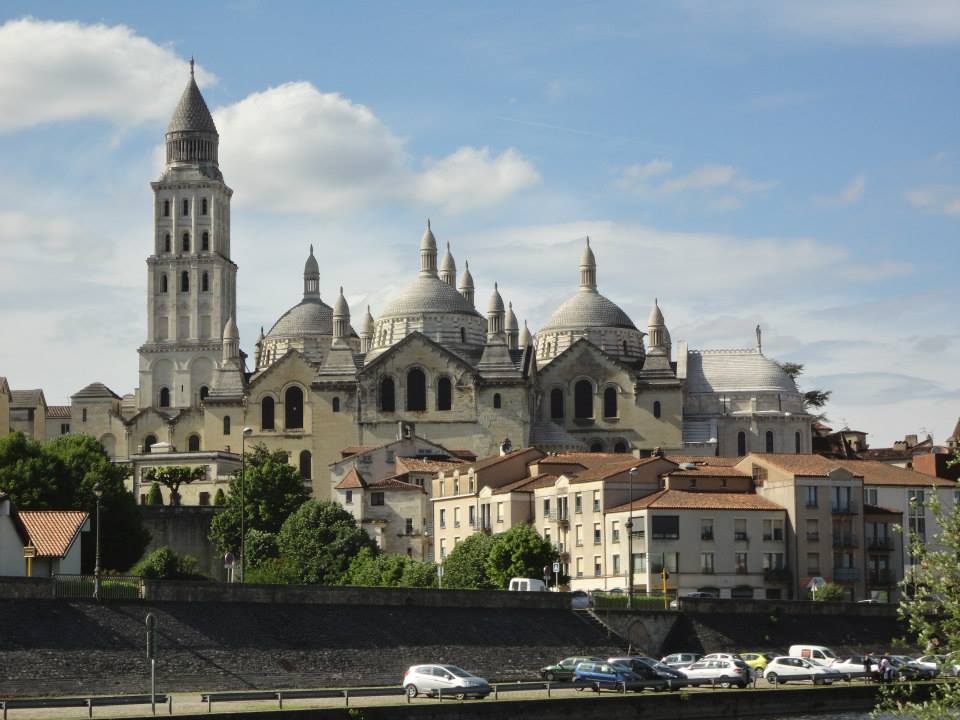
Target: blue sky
{"type": "Point", "coordinates": [788, 164]}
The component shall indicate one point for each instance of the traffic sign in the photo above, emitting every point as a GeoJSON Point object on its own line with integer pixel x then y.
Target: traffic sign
{"type": "Point", "coordinates": [556, 567]}
{"type": "Point", "coordinates": [229, 559]}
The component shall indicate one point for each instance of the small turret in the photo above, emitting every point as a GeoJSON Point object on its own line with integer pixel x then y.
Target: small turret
{"type": "Point", "coordinates": [231, 341]}
{"type": "Point", "coordinates": [513, 328]}
{"type": "Point", "coordinates": [495, 313]}
{"type": "Point", "coordinates": [448, 268]}
{"type": "Point", "coordinates": [658, 337]}
{"type": "Point", "coordinates": [428, 252]}
{"type": "Point", "coordinates": [258, 353]}
{"type": "Point", "coordinates": [588, 269]}
{"type": "Point", "coordinates": [366, 332]}
{"type": "Point", "coordinates": [466, 284]}
{"type": "Point", "coordinates": [341, 318]}
{"type": "Point", "coordinates": [311, 276]}
{"type": "Point", "coordinates": [525, 337]}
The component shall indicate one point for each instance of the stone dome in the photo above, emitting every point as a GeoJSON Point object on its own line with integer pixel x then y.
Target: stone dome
{"type": "Point", "coordinates": [427, 294]}
{"type": "Point", "coordinates": [588, 309]}
{"type": "Point", "coordinates": [311, 316]}
{"type": "Point", "coordinates": [730, 371]}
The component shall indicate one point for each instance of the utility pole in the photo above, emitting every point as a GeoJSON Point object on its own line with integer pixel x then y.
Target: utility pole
{"type": "Point", "coordinates": [631, 473]}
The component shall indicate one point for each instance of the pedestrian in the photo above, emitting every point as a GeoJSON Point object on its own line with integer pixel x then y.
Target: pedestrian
{"type": "Point", "coordinates": [868, 664]}
{"type": "Point", "coordinates": [886, 669]}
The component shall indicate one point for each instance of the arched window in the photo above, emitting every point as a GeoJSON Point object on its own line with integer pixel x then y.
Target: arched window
{"type": "Point", "coordinates": [610, 402]}
{"type": "Point", "coordinates": [267, 414]}
{"type": "Point", "coordinates": [798, 441]}
{"type": "Point", "coordinates": [556, 404]}
{"type": "Point", "coordinates": [463, 335]}
{"type": "Point", "coordinates": [163, 283]}
{"type": "Point", "coordinates": [166, 208]}
{"type": "Point", "coordinates": [186, 206]}
{"type": "Point", "coordinates": [624, 347]}
{"type": "Point", "coordinates": [444, 394]}
{"type": "Point", "coordinates": [185, 281]}
{"type": "Point", "coordinates": [186, 242]}
{"type": "Point", "coordinates": [741, 443]}
{"type": "Point", "coordinates": [387, 396]}
{"type": "Point", "coordinates": [166, 243]}
{"type": "Point", "coordinates": [204, 391]}
{"type": "Point", "coordinates": [497, 402]}
{"type": "Point", "coordinates": [416, 390]}
{"type": "Point", "coordinates": [148, 442]}
{"type": "Point", "coordinates": [203, 206]}
{"type": "Point", "coordinates": [164, 397]}
{"type": "Point", "coordinates": [335, 405]}
{"type": "Point", "coordinates": [656, 408]}
{"type": "Point", "coordinates": [596, 447]}
{"type": "Point", "coordinates": [293, 409]}
{"type": "Point", "coordinates": [620, 447]}
{"type": "Point", "coordinates": [769, 441]}
{"type": "Point", "coordinates": [306, 464]}
{"type": "Point", "coordinates": [193, 443]}
{"type": "Point", "coordinates": [205, 283]}
{"type": "Point", "coordinates": [583, 399]}
{"type": "Point", "coordinates": [226, 424]}
{"type": "Point", "coordinates": [205, 241]}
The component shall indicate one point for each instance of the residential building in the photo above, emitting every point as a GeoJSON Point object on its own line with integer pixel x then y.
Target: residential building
{"type": "Point", "coordinates": [52, 536]}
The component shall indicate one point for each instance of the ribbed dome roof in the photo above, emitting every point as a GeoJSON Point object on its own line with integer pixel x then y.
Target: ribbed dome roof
{"type": "Point", "coordinates": [447, 264]}
{"type": "Point", "coordinates": [466, 280]}
{"type": "Point", "coordinates": [428, 294]}
{"type": "Point", "coordinates": [310, 317]}
{"type": "Point", "coordinates": [192, 114]}
{"type": "Point", "coordinates": [588, 309]}
{"type": "Point", "coordinates": [733, 370]}
{"type": "Point", "coordinates": [428, 241]}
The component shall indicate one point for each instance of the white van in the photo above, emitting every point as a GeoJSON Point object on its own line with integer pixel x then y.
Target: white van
{"type": "Point", "coordinates": [819, 653]}
{"type": "Point", "coordinates": [526, 585]}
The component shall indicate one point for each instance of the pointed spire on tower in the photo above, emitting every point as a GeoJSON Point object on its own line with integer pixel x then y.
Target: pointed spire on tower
{"type": "Point", "coordinates": [428, 252]}
{"type": "Point", "coordinates": [466, 284]}
{"type": "Point", "coordinates": [341, 317]}
{"type": "Point", "coordinates": [588, 269]}
{"type": "Point", "coordinates": [658, 337]}
{"type": "Point", "coordinates": [366, 332]}
{"type": "Point", "coordinates": [525, 338]}
{"type": "Point", "coordinates": [311, 276]}
{"type": "Point", "coordinates": [495, 312]}
{"type": "Point", "coordinates": [448, 268]}
{"type": "Point", "coordinates": [191, 66]}
{"type": "Point", "coordinates": [513, 328]}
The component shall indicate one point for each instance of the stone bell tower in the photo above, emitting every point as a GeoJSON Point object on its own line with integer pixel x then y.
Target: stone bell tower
{"type": "Point", "coordinates": [191, 280]}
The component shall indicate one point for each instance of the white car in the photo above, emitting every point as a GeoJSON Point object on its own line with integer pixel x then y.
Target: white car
{"type": "Point", "coordinates": [725, 673]}
{"type": "Point", "coordinates": [788, 669]}
{"type": "Point", "coordinates": [936, 662]}
{"type": "Point", "coordinates": [678, 661]}
{"type": "Point", "coordinates": [855, 666]}
{"type": "Point", "coordinates": [447, 680]}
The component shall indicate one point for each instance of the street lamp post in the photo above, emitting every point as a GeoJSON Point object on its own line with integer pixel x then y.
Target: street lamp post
{"type": "Point", "coordinates": [631, 473]}
{"type": "Point", "coordinates": [243, 499]}
{"type": "Point", "coordinates": [98, 493]}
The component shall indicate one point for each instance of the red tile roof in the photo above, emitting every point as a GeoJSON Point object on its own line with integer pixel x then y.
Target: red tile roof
{"type": "Point", "coordinates": [705, 471]}
{"type": "Point", "coordinates": [393, 483]}
{"type": "Point", "coordinates": [59, 411]}
{"type": "Point", "coordinates": [701, 460]}
{"type": "Point", "coordinates": [531, 455]}
{"type": "Point", "coordinates": [352, 481]}
{"type": "Point", "coordinates": [807, 465]}
{"type": "Point", "coordinates": [872, 472]}
{"type": "Point", "coordinates": [684, 500]}
{"type": "Point", "coordinates": [607, 470]}
{"type": "Point", "coordinates": [425, 465]}
{"type": "Point", "coordinates": [528, 484]}
{"type": "Point", "coordinates": [356, 450]}
{"type": "Point", "coordinates": [52, 532]}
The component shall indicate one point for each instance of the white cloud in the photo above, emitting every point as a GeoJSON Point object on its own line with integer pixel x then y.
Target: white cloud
{"type": "Point", "coordinates": [293, 148]}
{"type": "Point", "coordinates": [61, 71]}
{"type": "Point", "coordinates": [653, 179]}
{"type": "Point", "coordinates": [941, 199]}
{"type": "Point", "coordinates": [850, 194]}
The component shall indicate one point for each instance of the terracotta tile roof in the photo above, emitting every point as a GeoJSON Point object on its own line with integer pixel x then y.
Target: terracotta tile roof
{"type": "Point", "coordinates": [467, 455]}
{"type": "Point", "coordinates": [356, 450]}
{"type": "Point", "coordinates": [807, 465]}
{"type": "Point", "coordinates": [609, 469]}
{"type": "Point", "coordinates": [392, 483]}
{"type": "Point", "coordinates": [96, 390]}
{"type": "Point", "coordinates": [61, 412]}
{"type": "Point", "coordinates": [431, 466]}
{"type": "Point", "coordinates": [872, 472]}
{"type": "Point", "coordinates": [587, 459]}
{"type": "Point", "coordinates": [684, 500]}
{"type": "Point", "coordinates": [705, 471]}
{"type": "Point", "coordinates": [526, 484]}
{"type": "Point", "coordinates": [52, 532]}
{"type": "Point", "coordinates": [704, 460]}
{"type": "Point", "coordinates": [352, 481]}
{"type": "Point", "coordinates": [25, 398]}
{"type": "Point", "coordinates": [532, 456]}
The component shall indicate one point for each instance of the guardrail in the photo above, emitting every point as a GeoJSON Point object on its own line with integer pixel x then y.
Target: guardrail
{"type": "Point", "coordinates": [112, 587]}
{"type": "Point", "coordinates": [87, 702]}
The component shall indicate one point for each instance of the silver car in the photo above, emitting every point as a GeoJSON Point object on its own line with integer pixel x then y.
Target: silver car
{"type": "Point", "coordinates": [446, 680]}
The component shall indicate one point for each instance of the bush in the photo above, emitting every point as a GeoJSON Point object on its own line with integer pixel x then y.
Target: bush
{"type": "Point", "coordinates": [164, 564]}
{"type": "Point", "coordinates": [155, 497]}
{"type": "Point", "coordinates": [219, 499]}
{"type": "Point", "coordinates": [260, 546]}
{"type": "Point", "coordinates": [271, 571]}
{"type": "Point", "coordinates": [831, 592]}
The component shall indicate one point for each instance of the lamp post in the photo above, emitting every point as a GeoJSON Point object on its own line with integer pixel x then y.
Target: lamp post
{"type": "Point", "coordinates": [631, 473]}
{"type": "Point", "coordinates": [243, 499]}
{"type": "Point", "coordinates": [98, 493]}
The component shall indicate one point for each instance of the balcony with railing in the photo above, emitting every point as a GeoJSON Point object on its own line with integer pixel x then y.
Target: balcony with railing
{"type": "Point", "coordinates": [881, 578]}
{"type": "Point", "coordinates": [880, 544]}
{"type": "Point", "coordinates": [842, 574]}
{"type": "Point", "coordinates": [741, 536]}
{"type": "Point", "coordinates": [844, 508]}
{"type": "Point", "coordinates": [844, 540]}
{"type": "Point", "coordinates": [706, 535]}
{"type": "Point", "coordinates": [560, 517]}
{"type": "Point", "coordinates": [776, 574]}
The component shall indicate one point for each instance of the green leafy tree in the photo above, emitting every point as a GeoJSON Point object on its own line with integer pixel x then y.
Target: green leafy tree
{"type": "Point", "coordinates": [173, 476]}
{"type": "Point", "coordinates": [930, 605]}
{"type": "Point", "coordinates": [260, 546]}
{"type": "Point", "coordinates": [273, 490]}
{"type": "Point", "coordinates": [420, 574]}
{"type": "Point", "coordinates": [319, 540]}
{"type": "Point", "coordinates": [155, 497]}
{"type": "Point", "coordinates": [519, 552]}
{"type": "Point", "coordinates": [831, 592]}
{"type": "Point", "coordinates": [371, 569]}
{"type": "Point", "coordinates": [164, 564]}
{"type": "Point", "coordinates": [219, 498]}
{"type": "Point", "coordinates": [272, 571]}
{"type": "Point", "coordinates": [813, 400]}
{"type": "Point", "coordinates": [466, 565]}
{"type": "Point", "coordinates": [61, 476]}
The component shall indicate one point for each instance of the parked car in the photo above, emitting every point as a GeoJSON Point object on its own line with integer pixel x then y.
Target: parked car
{"type": "Point", "coordinates": [789, 669]}
{"type": "Point", "coordinates": [679, 661]}
{"type": "Point", "coordinates": [648, 668]}
{"type": "Point", "coordinates": [813, 652]}
{"type": "Point", "coordinates": [606, 672]}
{"type": "Point", "coordinates": [579, 600]}
{"type": "Point", "coordinates": [563, 670]}
{"type": "Point", "coordinates": [695, 595]}
{"type": "Point", "coordinates": [756, 661]}
{"type": "Point", "coordinates": [907, 668]}
{"type": "Point", "coordinates": [526, 585]}
{"type": "Point", "coordinates": [726, 673]}
{"type": "Point", "coordinates": [935, 662]}
{"type": "Point", "coordinates": [448, 679]}
{"type": "Point", "coordinates": [853, 666]}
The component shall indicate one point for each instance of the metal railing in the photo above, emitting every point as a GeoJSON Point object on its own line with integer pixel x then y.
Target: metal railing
{"type": "Point", "coordinates": [844, 508]}
{"type": "Point", "coordinates": [846, 574]}
{"type": "Point", "coordinates": [86, 702]}
{"type": "Point", "coordinates": [776, 574]}
{"type": "Point", "coordinates": [880, 543]}
{"type": "Point", "coordinates": [112, 587]}
{"type": "Point", "coordinates": [845, 541]}
{"type": "Point", "coordinates": [881, 577]}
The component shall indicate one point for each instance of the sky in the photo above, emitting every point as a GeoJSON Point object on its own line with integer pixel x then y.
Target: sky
{"type": "Point", "coordinates": [790, 164]}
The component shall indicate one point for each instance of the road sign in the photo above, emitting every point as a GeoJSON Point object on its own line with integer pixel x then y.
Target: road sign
{"type": "Point", "coordinates": [29, 551]}
{"type": "Point", "coordinates": [229, 559]}
{"type": "Point", "coordinates": [151, 623]}
{"type": "Point", "coordinates": [816, 583]}
{"type": "Point", "coordinates": [556, 567]}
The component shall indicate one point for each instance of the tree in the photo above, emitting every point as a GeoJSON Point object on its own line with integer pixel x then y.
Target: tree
{"type": "Point", "coordinates": [419, 574]}
{"type": "Point", "coordinates": [61, 476]}
{"type": "Point", "coordinates": [273, 490]}
{"type": "Point", "coordinates": [260, 546]}
{"type": "Point", "coordinates": [164, 564]}
{"type": "Point", "coordinates": [930, 605]}
{"type": "Point", "coordinates": [831, 592]}
{"type": "Point", "coordinates": [812, 399]}
{"type": "Point", "coordinates": [155, 497]}
{"type": "Point", "coordinates": [219, 498]}
{"type": "Point", "coordinates": [173, 476]}
{"type": "Point", "coordinates": [372, 569]}
{"type": "Point", "coordinates": [319, 541]}
{"type": "Point", "coordinates": [466, 565]}
{"type": "Point", "coordinates": [519, 552]}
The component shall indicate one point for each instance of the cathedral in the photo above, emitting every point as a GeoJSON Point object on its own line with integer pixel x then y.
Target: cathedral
{"type": "Point", "coordinates": [431, 364]}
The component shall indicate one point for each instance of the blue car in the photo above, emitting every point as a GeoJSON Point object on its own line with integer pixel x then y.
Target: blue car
{"type": "Point", "coordinates": [607, 674]}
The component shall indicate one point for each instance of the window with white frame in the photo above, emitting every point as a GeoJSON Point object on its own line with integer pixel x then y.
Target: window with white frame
{"type": "Point", "coordinates": [706, 563]}
{"type": "Point", "coordinates": [578, 535]}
